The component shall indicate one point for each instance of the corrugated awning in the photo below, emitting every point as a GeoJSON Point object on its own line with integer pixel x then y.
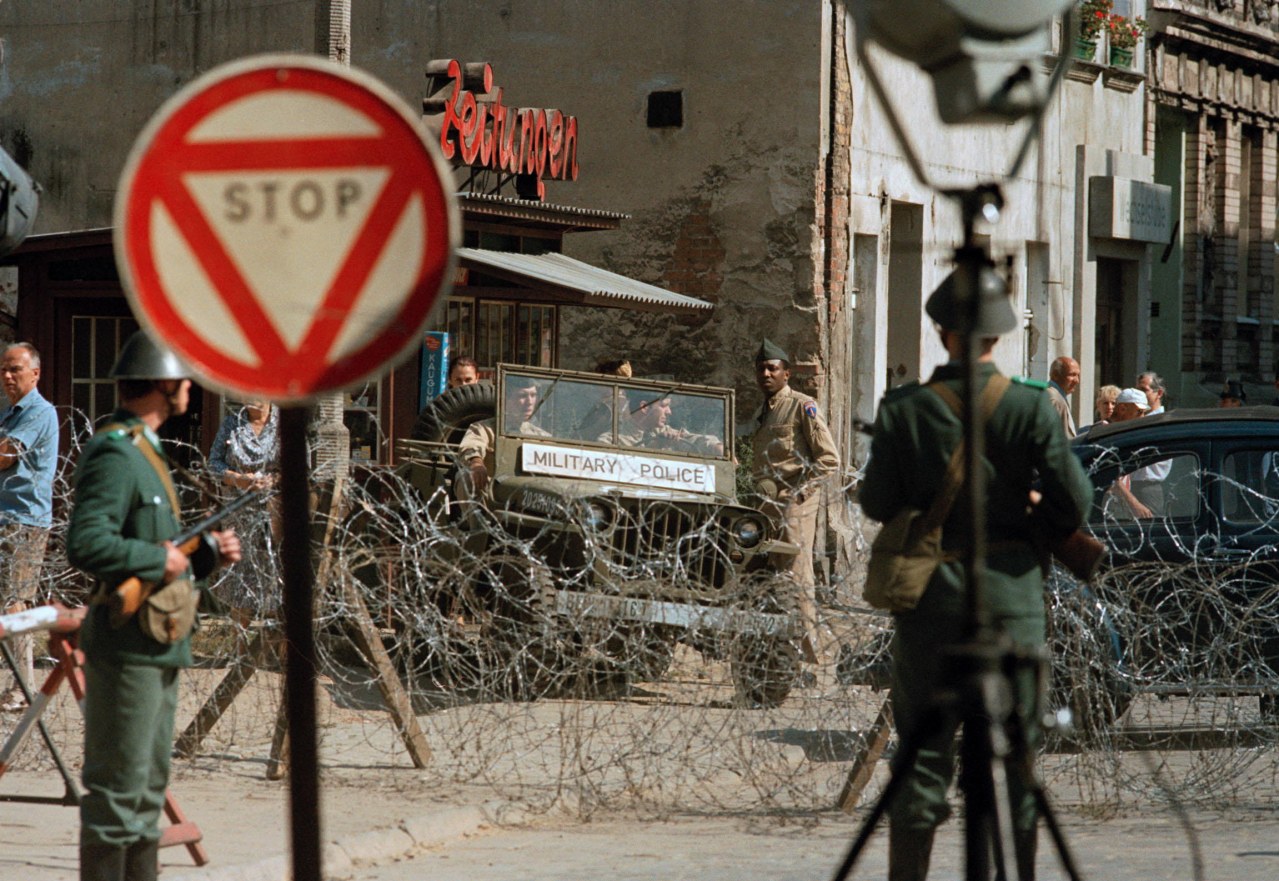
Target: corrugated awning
{"type": "Point", "coordinates": [579, 283]}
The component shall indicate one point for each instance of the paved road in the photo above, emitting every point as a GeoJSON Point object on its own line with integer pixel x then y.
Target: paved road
{"type": "Point", "coordinates": [718, 849]}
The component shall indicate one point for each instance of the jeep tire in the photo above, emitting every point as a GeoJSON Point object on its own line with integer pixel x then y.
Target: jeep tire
{"type": "Point", "coordinates": [446, 418]}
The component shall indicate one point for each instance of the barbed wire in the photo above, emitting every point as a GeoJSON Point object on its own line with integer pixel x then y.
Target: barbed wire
{"type": "Point", "coordinates": [518, 633]}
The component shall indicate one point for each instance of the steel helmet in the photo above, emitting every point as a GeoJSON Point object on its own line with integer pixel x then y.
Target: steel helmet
{"type": "Point", "coordinates": [143, 358]}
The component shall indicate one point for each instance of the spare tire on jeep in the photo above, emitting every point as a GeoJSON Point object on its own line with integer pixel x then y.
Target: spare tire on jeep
{"type": "Point", "coordinates": [446, 418]}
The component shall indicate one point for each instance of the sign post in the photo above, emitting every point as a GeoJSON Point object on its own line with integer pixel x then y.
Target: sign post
{"type": "Point", "coordinates": [286, 227]}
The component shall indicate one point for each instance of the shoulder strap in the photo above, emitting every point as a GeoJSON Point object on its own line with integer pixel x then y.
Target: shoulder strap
{"type": "Point", "coordinates": [991, 395]}
{"type": "Point", "coordinates": [154, 459]}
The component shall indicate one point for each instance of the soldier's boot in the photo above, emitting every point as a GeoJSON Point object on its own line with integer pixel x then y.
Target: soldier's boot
{"type": "Point", "coordinates": [909, 851]}
{"type": "Point", "coordinates": [142, 861]}
{"type": "Point", "coordinates": [101, 862]}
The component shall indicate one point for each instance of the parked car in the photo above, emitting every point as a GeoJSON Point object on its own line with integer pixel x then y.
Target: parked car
{"type": "Point", "coordinates": [610, 529]}
{"type": "Point", "coordinates": [1188, 601]}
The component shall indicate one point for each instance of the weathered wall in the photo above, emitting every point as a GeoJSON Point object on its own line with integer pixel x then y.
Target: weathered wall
{"type": "Point", "coordinates": [722, 208]}
{"type": "Point", "coordinates": [79, 79]}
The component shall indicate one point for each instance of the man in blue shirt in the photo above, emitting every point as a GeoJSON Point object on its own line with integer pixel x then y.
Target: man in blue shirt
{"type": "Point", "coordinates": [28, 461]}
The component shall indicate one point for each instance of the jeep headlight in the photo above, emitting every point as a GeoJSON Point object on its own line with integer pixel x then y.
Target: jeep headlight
{"type": "Point", "coordinates": [598, 516]}
{"type": "Point", "coordinates": [749, 531]}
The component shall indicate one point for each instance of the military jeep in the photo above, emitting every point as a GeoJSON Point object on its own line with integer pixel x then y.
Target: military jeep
{"type": "Point", "coordinates": [608, 532]}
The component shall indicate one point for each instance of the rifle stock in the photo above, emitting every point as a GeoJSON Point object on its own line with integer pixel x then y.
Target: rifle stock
{"type": "Point", "coordinates": [130, 594]}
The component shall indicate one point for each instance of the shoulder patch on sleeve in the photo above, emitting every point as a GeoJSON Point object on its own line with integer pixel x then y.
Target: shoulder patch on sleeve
{"type": "Point", "coordinates": [1031, 383]}
{"type": "Point", "coordinates": [810, 409]}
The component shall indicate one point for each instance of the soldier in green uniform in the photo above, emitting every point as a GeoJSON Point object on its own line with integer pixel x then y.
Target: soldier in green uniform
{"type": "Point", "coordinates": [916, 432]}
{"type": "Point", "coordinates": [125, 512]}
{"type": "Point", "coordinates": [793, 454]}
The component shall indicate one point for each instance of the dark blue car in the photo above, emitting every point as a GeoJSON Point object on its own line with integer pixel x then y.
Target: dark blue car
{"type": "Point", "coordinates": [1188, 600]}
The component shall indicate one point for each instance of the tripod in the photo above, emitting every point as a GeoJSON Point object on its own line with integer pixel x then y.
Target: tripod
{"type": "Point", "coordinates": [975, 688]}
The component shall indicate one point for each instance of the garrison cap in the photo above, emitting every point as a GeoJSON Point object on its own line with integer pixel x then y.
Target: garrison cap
{"type": "Point", "coordinates": [1234, 389]}
{"type": "Point", "coordinates": [770, 351]}
{"type": "Point", "coordinates": [143, 358]}
{"type": "Point", "coordinates": [996, 315]}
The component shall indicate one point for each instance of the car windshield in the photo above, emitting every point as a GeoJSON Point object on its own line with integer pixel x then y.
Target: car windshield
{"type": "Point", "coordinates": [616, 414]}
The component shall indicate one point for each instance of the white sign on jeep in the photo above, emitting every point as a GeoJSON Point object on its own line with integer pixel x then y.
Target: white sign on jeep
{"type": "Point", "coordinates": [618, 467]}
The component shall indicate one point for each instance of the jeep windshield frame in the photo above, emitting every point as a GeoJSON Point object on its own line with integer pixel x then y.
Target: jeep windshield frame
{"type": "Point", "coordinates": [616, 413]}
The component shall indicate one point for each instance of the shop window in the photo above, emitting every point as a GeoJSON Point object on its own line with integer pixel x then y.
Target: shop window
{"type": "Point", "coordinates": [493, 323]}
{"type": "Point", "coordinates": [535, 336]}
{"type": "Point", "coordinates": [459, 325]}
{"type": "Point", "coordinates": [666, 109]}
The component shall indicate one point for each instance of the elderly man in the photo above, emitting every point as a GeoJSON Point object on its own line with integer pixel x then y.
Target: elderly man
{"type": "Point", "coordinates": [1132, 403]}
{"type": "Point", "coordinates": [1148, 482]}
{"type": "Point", "coordinates": [794, 454]}
{"type": "Point", "coordinates": [1063, 376]}
{"type": "Point", "coordinates": [917, 431]}
{"type": "Point", "coordinates": [477, 447]}
{"type": "Point", "coordinates": [28, 461]}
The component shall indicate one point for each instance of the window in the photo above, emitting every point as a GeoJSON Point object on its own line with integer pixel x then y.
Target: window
{"type": "Point", "coordinates": [1151, 486]}
{"type": "Point", "coordinates": [1250, 486]}
{"type": "Point", "coordinates": [666, 109]}
{"type": "Point", "coordinates": [95, 342]}
{"type": "Point", "coordinates": [360, 414]}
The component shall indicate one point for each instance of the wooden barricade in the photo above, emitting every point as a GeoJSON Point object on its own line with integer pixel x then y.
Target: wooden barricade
{"type": "Point", "coordinates": [69, 670]}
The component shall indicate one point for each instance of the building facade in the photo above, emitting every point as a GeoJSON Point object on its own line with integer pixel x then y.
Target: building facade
{"type": "Point", "coordinates": [755, 169]}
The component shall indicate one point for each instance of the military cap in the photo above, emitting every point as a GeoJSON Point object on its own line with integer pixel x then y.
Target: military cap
{"type": "Point", "coordinates": [141, 357]}
{"type": "Point", "coordinates": [996, 315]}
{"type": "Point", "coordinates": [770, 351]}
{"type": "Point", "coordinates": [1234, 389]}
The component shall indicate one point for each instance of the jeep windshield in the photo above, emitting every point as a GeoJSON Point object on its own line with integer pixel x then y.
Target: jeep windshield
{"type": "Point", "coordinates": [616, 413]}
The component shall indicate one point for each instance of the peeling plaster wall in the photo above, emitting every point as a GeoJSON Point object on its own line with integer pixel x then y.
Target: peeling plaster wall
{"type": "Point", "coordinates": [722, 208]}
{"type": "Point", "coordinates": [80, 78]}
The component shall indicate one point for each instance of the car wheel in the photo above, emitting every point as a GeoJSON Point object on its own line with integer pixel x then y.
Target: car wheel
{"type": "Point", "coordinates": [765, 670]}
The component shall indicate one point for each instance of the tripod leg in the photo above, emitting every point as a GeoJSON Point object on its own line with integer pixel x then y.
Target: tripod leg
{"type": "Point", "coordinates": [903, 760]}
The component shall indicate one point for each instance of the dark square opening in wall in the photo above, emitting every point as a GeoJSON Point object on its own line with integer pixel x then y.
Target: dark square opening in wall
{"type": "Point", "coordinates": [666, 109]}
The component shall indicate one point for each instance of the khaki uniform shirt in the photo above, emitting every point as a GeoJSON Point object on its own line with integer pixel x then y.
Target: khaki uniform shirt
{"type": "Point", "coordinates": [479, 442]}
{"type": "Point", "coordinates": [667, 438]}
{"type": "Point", "coordinates": [791, 443]}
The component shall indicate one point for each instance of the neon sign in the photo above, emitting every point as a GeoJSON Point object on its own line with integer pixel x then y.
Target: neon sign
{"type": "Point", "coordinates": [478, 130]}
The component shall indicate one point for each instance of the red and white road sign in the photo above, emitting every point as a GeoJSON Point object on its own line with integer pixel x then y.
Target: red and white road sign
{"type": "Point", "coordinates": [286, 226]}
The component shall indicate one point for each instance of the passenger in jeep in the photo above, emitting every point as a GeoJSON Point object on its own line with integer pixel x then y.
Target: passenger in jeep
{"type": "Point", "coordinates": [476, 449]}
{"type": "Point", "coordinates": [647, 427]}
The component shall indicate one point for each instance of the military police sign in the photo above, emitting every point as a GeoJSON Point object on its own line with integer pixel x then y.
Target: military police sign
{"type": "Point", "coordinates": [286, 226]}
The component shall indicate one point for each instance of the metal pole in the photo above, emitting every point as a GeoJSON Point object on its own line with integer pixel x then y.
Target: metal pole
{"type": "Point", "coordinates": [300, 666]}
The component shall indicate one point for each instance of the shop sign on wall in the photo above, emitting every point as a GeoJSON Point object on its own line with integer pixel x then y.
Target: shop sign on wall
{"type": "Point", "coordinates": [478, 130]}
{"type": "Point", "coordinates": [1120, 208]}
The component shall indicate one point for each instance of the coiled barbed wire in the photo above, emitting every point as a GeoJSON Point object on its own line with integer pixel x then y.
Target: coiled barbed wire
{"type": "Point", "coordinates": [541, 698]}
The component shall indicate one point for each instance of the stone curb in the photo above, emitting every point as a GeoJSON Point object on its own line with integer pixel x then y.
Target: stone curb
{"type": "Point", "coordinates": [340, 857]}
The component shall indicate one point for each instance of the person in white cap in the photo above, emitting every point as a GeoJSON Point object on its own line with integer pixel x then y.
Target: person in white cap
{"type": "Point", "coordinates": [1132, 403]}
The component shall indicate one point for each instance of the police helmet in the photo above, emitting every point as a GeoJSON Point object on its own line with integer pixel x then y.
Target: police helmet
{"type": "Point", "coordinates": [995, 313]}
{"type": "Point", "coordinates": [144, 358]}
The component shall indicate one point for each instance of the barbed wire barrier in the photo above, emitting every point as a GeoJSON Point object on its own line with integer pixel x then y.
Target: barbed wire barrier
{"type": "Point", "coordinates": [547, 700]}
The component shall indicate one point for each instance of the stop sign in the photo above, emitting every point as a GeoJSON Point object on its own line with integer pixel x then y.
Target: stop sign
{"type": "Point", "coordinates": [286, 226]}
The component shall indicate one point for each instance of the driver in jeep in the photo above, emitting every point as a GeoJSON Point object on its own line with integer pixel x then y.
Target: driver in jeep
{"type": "Point", "coordinates": [648, 428]}
{"type": "Point", "coordinates": [476, 449]}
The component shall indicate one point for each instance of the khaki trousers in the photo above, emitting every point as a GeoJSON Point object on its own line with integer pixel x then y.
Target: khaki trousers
{"type": "Point", "coordinates": [21, 556]}
{"type": "Point", "coordinates": [799, 526]}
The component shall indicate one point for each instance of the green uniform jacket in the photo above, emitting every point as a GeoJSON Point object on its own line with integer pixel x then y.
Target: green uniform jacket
{"type": "Point", "coordinates": [915, 434]}
{"type": "Point", "coordinates": [121, 515]}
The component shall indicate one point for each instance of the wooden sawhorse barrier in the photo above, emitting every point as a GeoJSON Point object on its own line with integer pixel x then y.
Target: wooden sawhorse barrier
{"type": "Point", "coordinates": [69, 669]}
{"type": "Point", "coordinates": [864, 765]}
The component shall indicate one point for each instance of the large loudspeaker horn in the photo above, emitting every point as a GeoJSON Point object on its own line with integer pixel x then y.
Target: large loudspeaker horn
{"type": "Point", "coordinates": [983, 55]}
{"type": "Point", "coordinates": [19, 202]}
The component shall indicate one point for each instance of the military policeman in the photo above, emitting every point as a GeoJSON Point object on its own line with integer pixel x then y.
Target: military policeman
{"type": "Point", "coordinates": [126, 511]}
{"type": "Point", "coordinates": [916, 431]}
{"type": "Point", "coordinates": [793, 454]}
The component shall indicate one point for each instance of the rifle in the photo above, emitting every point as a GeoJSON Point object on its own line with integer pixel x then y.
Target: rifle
{"type": "Point", "coordinates": [131, 593]}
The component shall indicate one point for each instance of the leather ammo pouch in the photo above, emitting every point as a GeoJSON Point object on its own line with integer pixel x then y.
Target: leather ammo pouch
{"type": "Point", "coordinates": [907, 550]}
{"type": "Point", "coordinates": [168, 614]}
